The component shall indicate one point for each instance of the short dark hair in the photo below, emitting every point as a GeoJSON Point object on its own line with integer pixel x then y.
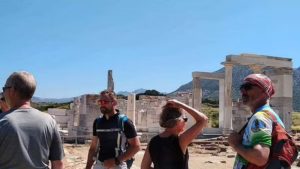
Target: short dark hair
{"type": "Point", "coordinates": [168, 116]}
{"type": "Point", "coordinates": [23, 82]}
{"type": "Point", "coordinates": [111, 94]}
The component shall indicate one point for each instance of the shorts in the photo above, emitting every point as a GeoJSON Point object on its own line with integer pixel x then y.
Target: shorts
{"type": "Point", "coordinates": [99, 165]}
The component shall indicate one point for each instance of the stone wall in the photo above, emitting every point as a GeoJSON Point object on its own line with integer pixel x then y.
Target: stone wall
{"type": "Point", "coordinates": [79, 120]}
{"type": "Point", "coordinates": [61, 117]}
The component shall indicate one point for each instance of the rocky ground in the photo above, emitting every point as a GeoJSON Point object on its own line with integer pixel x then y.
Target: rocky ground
{"type": "Point", "coordinates": [209, 156]}
{"type": "Point", "coordinates": [76, 159]}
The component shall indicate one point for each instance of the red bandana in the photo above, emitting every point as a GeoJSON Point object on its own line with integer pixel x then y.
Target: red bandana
{"type": "Point", "coordinates": [261, 81]}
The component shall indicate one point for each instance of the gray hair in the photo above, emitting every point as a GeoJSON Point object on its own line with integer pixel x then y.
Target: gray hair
{"type": "Point", "coordinates": [22, 82]}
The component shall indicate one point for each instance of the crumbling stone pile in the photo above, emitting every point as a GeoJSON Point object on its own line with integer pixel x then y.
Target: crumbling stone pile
{"type": "Point", "coordinates": [213, 146]}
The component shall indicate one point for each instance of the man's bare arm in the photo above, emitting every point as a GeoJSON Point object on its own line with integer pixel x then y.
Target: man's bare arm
{"type": "Point", "coordinates": [258, 155]}
{"type": "Point", "coordinates": [57, 164]}
{"type": "Point", "coordinates": [147, 161]}
{"type": "Point", "coordinates": [93, 147]}
{"type": "Point", "coordinates": [134, 147]}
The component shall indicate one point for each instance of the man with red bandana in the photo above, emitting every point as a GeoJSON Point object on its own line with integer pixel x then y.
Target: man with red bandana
{"type": "Point", "coordinates": [253, 145]}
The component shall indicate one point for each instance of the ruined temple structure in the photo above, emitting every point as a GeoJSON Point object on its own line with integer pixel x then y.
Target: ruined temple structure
{"type": "Point", "coordinates": [232, 115]}
{"type": "Point", "coordinates": [145, 112]}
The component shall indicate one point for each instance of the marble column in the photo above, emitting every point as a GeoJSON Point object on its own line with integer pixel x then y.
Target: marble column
{"type": "Point", "coordinates": [197, 93]}
{"type": "Point", "coordinates": [282, 101]}
{"type": "Point", "coordinates": [221, 103]}
{"type": "Point", "coordinates": [76, 111]}
{"type": "Point", "coordinates": [131, 107]}
{"type": "Point", "coordinates": [110, 81]}
{"type": "Point", "coordinates": [228, 99]}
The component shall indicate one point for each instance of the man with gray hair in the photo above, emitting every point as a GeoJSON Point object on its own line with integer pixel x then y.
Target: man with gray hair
{"type": "Point", "coordinates": [28, 138]}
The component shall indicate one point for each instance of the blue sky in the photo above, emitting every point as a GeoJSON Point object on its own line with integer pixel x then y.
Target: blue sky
{"type": "Point", "coordinates": [69, 45]}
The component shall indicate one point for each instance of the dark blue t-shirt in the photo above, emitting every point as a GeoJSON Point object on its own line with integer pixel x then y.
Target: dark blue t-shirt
{"type": "Point", "coordinates": [107, 131]}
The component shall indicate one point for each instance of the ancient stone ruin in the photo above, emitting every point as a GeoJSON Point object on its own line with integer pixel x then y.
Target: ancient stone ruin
{"type": "Point", "coordinates": [78, 121]}
{"type": "Point", "coordinates": [233, 115]}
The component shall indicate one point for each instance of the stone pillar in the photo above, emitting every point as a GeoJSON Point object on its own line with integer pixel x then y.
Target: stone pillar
{"type": "Point", "coordinates": [282, 101]}
{"type": "Point", "coordinates": [221, 103]}
{"type": "Point", "coordinates": [140, 116]}
{"type": "Point", "coordinates": [197, 93]}
{"type": "Point", "coordinates": [83, 114]}
{"type": "Point", "coordinates": [84, 104]}
{"type": "Point", "coordinates": [228, 99]}
{"type": "Point", "coordinates": [110, 81]}
{"type": "Point", "coordinates": [76, 111]}
{"type": "Point", "coordinates": [131, 107]}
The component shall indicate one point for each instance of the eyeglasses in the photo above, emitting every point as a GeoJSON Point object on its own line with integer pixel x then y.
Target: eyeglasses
{"type": "Point", "coordinates": [246, 86]}
{"type": "Point", "coordinates": [5, 87]}
{"type": "Point", "coordinates": [103, 101]}
{"type": "Point", "coordinates": [185, 119]}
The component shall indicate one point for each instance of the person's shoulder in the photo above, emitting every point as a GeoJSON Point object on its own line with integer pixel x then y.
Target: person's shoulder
{"type": "Point", "coordinates": [123, 117]}
{"type": "Point", "coordinates": [3, 119]}
{"type": "Point", "coordinates": [41, 113]}
{"type": "Point", "coordinates": [2, 114]}
{"type": "Point", "coordinates": [7, 116]}
{"type": "Point", "coordinates": [263, 115]}
{"type": "Point", "coordinates": [98, 119]}
{"type": "Point", "coordinates": [42, 116]}
{"type": "Point", "coordinates": [155, 138]}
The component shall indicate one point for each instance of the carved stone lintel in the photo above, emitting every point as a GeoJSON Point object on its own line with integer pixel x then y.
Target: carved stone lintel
{"type": "Point", "coordinates": [256, 68]}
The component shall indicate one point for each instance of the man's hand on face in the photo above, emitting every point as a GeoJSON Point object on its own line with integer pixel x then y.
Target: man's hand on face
{"type": "Point", "coordinates": [235, 139]}
{"type": "Point", "coordinates": [110, 163]}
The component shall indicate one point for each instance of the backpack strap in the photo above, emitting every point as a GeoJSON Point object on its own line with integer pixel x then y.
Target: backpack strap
{"type": "Point", "coordinates": [122, 118]}
{"type": "Point", "coordinates": [98, 121]}
{"type": "Point", "coordinates": [274, 119]}
{"type": "Point", "coordinates": [276, 127]}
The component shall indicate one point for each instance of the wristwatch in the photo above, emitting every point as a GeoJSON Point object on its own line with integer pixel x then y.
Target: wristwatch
{"type": "Point", "coordinates": [117, 161]}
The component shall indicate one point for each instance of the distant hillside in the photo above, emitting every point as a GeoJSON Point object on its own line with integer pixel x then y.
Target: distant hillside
{"type": "Point", "coordinates": [210, 88]}
{"type": "Point", "coordinates": [126, 93]}
{"type": "Point", "coordinates": [51, 100]}
{"type": "Point", "coordinates": [296, 89]}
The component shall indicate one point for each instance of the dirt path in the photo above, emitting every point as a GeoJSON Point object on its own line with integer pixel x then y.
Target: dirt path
{"type": "Point", "coordinates": [76, 158]}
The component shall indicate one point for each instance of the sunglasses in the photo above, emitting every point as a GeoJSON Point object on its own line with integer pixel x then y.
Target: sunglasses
{"type": "Point", "coordinates": [246, 86]}
{"type": "Point", "coordinates": [185, 119]}
{"type": "Point", "coordinates": [103, 101]}
{"type": "Point", "coordinates": [5, 87]}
